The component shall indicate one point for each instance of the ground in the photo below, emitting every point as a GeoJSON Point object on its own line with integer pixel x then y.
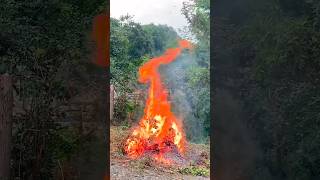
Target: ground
{"type": "Point", "coordinates": [122, 168]}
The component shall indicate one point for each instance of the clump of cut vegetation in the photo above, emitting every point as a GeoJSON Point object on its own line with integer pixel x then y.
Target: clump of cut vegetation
{"type": "Point", "coordinates": [195, 171]}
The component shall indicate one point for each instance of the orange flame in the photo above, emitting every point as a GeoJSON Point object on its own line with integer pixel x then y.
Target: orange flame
{"type": "Point", "coordinates": [101, 35]}
{"type": "Point", "coordinates": [158, 128]}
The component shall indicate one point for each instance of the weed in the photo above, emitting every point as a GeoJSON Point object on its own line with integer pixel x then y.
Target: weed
{"type": "Point", "coordinates": [195, 171]}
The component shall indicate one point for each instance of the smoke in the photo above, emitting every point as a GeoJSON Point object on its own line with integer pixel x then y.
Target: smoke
{"type": "Point", "coordinates": [175, 76]}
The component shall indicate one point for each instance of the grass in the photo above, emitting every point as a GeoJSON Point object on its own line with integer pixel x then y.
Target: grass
{"type": "Point", "coordinates": [195, 171]}
{"type": "Point", "coordinates": [117, 136]}
{"type": "Point", "coordinates": [143, 163]}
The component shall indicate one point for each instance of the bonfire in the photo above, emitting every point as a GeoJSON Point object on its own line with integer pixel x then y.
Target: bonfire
{"type": "Point", "coordinates": [159, 130]}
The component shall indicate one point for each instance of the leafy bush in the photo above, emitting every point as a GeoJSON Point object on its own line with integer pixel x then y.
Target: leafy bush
{"type": "Point", "coordinates": [123, 107]}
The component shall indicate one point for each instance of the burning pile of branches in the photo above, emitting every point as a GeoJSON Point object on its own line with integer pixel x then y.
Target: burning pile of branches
{"type": "Point", "coordinates": [159, 131]}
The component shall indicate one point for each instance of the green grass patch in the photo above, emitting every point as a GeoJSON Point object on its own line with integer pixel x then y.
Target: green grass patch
{"type": "Point", "coordinates": [195, 171]}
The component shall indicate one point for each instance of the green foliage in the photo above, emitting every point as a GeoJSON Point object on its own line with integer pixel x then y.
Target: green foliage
{"type": "Point", "coordinates": [66, 143]}
{"type": "Point", "coordinates": [163, 37]}
{"type": "Point", "coordinates": [279, 53]}
{"type": "Point", "coordinates": [198, 84]}
{"type": "Point", "coordinates": [195, 171]}
{"type": "Point", "coordinates": [122, 108]}
{"type": "Point", "coordinates": [197, 76]}
{"type": "Point", "coordinates": [41, 43]}
{"type": "Point", "coordinates": [197, 13]}
{"type": "Point", "coordinates": [133, 44]}
{"type": "Point", "coordinates": [287, 67]}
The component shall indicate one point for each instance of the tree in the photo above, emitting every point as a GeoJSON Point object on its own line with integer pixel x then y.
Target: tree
{"type": "Point", "coordinates": [41, 44]}
{"type": "Point", "coordinates": [197, 77]}
{"type": "Point", "coordinates": [274, 62]}
{"type": "Point", "coordinates": [131, 45]}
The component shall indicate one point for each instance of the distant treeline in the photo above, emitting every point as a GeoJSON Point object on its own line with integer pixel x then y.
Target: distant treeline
{"type": "Point", "coordinates": [131, 44]}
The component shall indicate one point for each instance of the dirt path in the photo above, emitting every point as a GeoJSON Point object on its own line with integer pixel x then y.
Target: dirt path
{"type": "Point", "coordinates": [123, 172]}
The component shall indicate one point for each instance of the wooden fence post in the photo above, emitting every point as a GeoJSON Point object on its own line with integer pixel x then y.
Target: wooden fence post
{"type": "Point", "coordinates": [6, 106]}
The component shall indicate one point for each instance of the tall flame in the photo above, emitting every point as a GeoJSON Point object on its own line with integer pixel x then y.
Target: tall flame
{"type": "Point", "coordinates": [159, 128]}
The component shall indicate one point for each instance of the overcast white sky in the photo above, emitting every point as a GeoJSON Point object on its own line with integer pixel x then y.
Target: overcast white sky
{"type": "Point", "coordinates": [150, 11]}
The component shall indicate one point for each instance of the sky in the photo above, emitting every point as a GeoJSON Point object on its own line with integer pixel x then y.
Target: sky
{"type": "Point", "coordinates": [151, 11]}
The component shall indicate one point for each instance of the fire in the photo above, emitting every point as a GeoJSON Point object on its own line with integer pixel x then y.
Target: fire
{"type": "Point", "coordinates": [158, 129]}
{"type": "Point", "coordinates": [101, 36]}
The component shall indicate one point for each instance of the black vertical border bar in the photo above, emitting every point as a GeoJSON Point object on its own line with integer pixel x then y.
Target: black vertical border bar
{"type": "Point", "coordinates": [108, 95]}
{"type": "Point", "coordinates": [212, 139]}
{"type": "Point", "coordinates": [107, 129]}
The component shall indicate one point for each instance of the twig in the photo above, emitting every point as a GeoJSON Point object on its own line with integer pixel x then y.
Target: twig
{"type": "Point", "coordinates": [61, 169]}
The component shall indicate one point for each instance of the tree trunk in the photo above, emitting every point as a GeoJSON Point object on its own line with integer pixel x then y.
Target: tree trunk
{"type": "Point", "coordinates": [6, 105]}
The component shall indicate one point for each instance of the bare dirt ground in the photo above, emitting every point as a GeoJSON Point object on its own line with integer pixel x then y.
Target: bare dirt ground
{"type": "Point", "coordinates": [122, 168]}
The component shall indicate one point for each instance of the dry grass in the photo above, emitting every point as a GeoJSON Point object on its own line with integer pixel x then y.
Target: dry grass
{"type": "Point", "coordinates": [199, 155]}
{"type": "Point", "coordinates": [117, 136]}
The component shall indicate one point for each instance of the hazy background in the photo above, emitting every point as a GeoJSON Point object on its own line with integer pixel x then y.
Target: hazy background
{"type": "Point", "coordinates": [151, 11]}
